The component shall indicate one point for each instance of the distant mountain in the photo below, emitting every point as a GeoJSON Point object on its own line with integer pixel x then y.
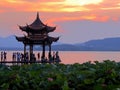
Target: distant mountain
{"type": "Point", "coordinates": [10, 43]}
{"type": "Point", "coordinates": [107, 44]}
{"type": "Point", "coordinates": [65, 47]}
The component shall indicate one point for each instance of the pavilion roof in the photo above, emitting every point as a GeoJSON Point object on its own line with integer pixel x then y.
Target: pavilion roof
{"type": "Point", "coordinates": [36, 26]}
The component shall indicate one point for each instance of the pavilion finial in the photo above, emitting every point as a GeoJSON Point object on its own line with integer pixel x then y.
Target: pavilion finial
{"type": "Point", "coordinates": [37, 15]}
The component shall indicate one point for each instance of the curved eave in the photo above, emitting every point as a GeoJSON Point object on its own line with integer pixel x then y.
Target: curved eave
{"type": "Point", "coordinates": [41, 28]}
{"type": "Point", "coordinates": [20, 38]}
{"type": "Point", "coordinates": [37, 29]}
{"type": "Point", "coordinates": [50, 29]}
{"type": "Point", "coordinates": [23, 28]}
{"type": "Point", "coordinates": [53, 39]}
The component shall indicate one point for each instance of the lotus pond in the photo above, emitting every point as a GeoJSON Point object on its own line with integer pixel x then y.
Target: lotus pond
{"type": "Point", "coordinates": [87, 76]}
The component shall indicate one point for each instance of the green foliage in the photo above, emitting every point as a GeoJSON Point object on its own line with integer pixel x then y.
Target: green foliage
{"type": "Point", "coordinates": [87, 76]}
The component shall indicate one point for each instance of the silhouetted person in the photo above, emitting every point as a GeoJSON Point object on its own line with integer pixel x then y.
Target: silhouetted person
{"type": "Point", "coordinates": [34, 58]}
{"type": "Point", "coordinates": [53, 57]}
{"type": "Point", "coordinates": [14, 57]}
{"type": "Point", "coordinates": [18, 56]}
{"type": "Point", "coordinates": [57, 58]}
{"type": "Point", "coordinates": [38, 55]}
{"type": "Point", "coordinates": [1, 56]}
{"type": "Point", "coordinates": [22, 57]}
{"type": "Point", "coordinates": [46, 60]}
{"type": "Point", "coordinates": [26, 57]}
{"type": "Point", "coordinates": [51, 60]}
{"type": "Point", "coordinates": [5, 56]}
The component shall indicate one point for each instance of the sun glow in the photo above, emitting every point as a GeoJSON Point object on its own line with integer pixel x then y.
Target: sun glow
{"type": "Point", "coordinates": [82, 2]}
{"type": "Point", "coordinates": [11, 1]}
{"type": "Point", "coordinates": [14, 1]}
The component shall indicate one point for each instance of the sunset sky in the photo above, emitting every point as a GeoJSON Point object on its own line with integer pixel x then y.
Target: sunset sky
{"type": "Point", "coordinates": [76, 20]}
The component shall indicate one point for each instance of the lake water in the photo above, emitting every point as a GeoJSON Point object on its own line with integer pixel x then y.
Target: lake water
{"type": "Point", "coordinates": [70, 57]}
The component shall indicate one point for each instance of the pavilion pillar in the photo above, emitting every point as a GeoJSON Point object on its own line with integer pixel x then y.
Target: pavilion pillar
{"type": "Point", "coordinates": [49, 54]}
{"type": "Point", "coordinates": [31, 52]}
{"type": "Point", "coordinates": [24, 49]}
{"type": "Point", "coordinates": [43, 50]}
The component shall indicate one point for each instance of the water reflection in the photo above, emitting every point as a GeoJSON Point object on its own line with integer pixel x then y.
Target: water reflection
{"type": "Point", "coordinates": [81, 57]}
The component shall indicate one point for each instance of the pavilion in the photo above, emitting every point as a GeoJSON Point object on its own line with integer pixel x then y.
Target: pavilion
{"type": "Point", "coordinates": [37, 34]}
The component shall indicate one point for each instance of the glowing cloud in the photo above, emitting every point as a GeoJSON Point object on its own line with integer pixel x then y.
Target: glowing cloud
{"type": "Point", "coordinates": [87, 17]}
{"type": "Point", "coordinates": [82, 2]}
{"type": "Point", "coordinates": [48, 5]}
{"type": "Point", "coordinates": [14, 1]}
{"type": "Point", "coordinates": [71, 9]}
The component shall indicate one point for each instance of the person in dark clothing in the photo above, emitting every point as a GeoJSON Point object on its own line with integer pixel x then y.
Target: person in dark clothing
{"type": "Point", "coordinates": [38, 55]}
{"type": "Point", "coordinates": [5, 56]}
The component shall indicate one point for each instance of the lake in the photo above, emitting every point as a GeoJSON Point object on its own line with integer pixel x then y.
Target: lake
{"type": "Point", "coordinates": [71, 57]}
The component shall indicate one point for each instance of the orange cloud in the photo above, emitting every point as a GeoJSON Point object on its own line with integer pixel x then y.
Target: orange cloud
{"type": "Point", "coordinates": [100, 10]}
{"type": "Point", "coordinates": [59, 5]}
{"type": "Point", "coordinates": [82, 2]}
{"type": "Point", "coordinates": [1, 11]}
{"type": "Point", "coordinates": [58, 19]}
{"type": "Point", "coordinates": [47, 6]}
{"type": "Point", "coordinates": [102, 18]}
{"type": "Point", "coordinates": [115, 19]}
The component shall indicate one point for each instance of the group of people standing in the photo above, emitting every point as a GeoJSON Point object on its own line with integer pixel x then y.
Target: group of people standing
{"type": "Point", "coordinates": [54, 58]}
{"type": "Point", "coordinates": [3, 55]}
{"type": "Point", "coordinates": [18, 56]}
